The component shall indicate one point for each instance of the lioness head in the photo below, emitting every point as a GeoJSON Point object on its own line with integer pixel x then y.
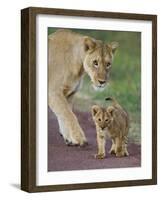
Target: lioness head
{"type": "Point", "coordinates": [103, 117]}
{"type": "Point", "coordinates": [98, 60]}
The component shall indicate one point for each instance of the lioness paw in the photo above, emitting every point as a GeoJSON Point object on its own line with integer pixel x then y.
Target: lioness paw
{"type": "Point", "coordinates": [83, 144]}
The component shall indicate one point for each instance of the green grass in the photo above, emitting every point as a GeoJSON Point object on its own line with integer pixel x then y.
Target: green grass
{"type": "Point", "coordinates": [125, 77]}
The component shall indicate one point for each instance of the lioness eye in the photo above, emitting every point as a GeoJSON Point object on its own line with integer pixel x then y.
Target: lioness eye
{"type": "Point", "coordinates": [99, 119]}
{"type": "Point", "coordinates": [106, 120]}
{"type": "Point", "coordinates": [95, 63]}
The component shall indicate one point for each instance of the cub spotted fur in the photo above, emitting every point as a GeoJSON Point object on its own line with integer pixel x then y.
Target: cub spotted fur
{"type": "Point", "coordinates": [113, 122]}
{"type": "Point", "coordinates": [70, 56]}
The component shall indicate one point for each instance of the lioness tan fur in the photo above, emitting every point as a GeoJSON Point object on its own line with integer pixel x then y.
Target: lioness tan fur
{"type": "Point", "coordinates": [112, 121]}
{"type": "Point", "coordinates": [70, 56]}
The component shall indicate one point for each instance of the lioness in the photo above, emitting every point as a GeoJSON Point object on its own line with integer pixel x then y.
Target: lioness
{"type": "Point", "coordinates": [70, 55]}
{"type": "Point", "coordinates": [114, 122]}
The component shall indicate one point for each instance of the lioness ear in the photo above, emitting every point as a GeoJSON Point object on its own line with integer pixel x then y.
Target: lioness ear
{"type": "Point", "coordinates": [113, 46]}
{"type": "Point", "coordinates": [110, 110]}
{"type": "Point", "coordinates": [95, 109]}
{"type": "Point", "coordinates": [89, 43]}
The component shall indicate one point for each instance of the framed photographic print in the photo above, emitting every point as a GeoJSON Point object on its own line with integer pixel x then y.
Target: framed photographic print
{"type": "Point", "coordinates": [88, 99]}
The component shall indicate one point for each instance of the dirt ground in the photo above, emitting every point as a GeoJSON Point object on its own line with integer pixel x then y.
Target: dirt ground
{"type": "Point", "coordinates": [63, 158]}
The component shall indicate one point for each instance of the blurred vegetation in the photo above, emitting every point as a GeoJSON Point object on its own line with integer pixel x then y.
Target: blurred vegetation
{"type": "Point", "coordinates": [125, 77]}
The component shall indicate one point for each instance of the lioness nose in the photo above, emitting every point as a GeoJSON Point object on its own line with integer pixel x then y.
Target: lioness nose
{"type": "Point", "coordinates": [101, 82]}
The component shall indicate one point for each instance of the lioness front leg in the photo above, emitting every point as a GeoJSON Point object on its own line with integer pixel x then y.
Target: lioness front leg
{"type": "Point", "coordinates": [62, 129]}
{"type": "Point", "coordinates": [101, 142]}
{"type": "Point", "coordinates": [69, 126]}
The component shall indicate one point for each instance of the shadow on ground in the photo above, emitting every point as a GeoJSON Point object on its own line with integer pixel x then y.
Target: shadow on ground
{"type": "Point", "coordinates": [63, 158]}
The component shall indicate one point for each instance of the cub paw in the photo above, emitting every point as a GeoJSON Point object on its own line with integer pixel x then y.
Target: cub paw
{"type": "Point", "coordinates": [120, 154]}
{"type": "Point", "coordinates": [99, 156]}
{"type": "Point", "coordinates": [126, 153]}
{"type": "Point", "coordinates": [112, 151]}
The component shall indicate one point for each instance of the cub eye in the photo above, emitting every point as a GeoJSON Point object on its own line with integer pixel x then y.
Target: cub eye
{"type": "Point", "coordinates": [99, 119]}
{"type": "Point", "coordinates": [106, 120]}
{"type": "Point", "coordinates": [108, 65]}
{"type": "Point", "coordinates": [95, 62]}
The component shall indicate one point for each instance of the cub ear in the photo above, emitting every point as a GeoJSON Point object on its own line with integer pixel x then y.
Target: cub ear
{"type": "Point", "coordinates": [113, 46]}
{"type": "Point", "coordinates": [111, 110]}
{"type": "Point", "coordinates": [89, 43]}
{"type": "Point", "coordinates": [95, 109]}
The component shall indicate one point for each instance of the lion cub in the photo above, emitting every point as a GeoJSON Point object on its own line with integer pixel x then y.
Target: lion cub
{"type": "Point", "coordinates": [113, 122]}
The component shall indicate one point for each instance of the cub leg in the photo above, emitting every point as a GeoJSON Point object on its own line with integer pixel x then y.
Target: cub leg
{"type": "Point", "coordinates": [118, 149]}
{"type": "Point", "coordinates": [101, 142]}
{"type": "Point", "coordinates": [69, 126]}
{"type": "Point", "coordinates": [126, 153]}
{"type": "Point", "coordinates": [124, 147]}
{"type": "Point", "coordinates": [113, 147]}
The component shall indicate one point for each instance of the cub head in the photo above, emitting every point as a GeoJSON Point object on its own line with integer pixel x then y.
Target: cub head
{"type": "Point", "coordinates": [98, 60]}
{"type": "Point", "coordinates": [103, 117]}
